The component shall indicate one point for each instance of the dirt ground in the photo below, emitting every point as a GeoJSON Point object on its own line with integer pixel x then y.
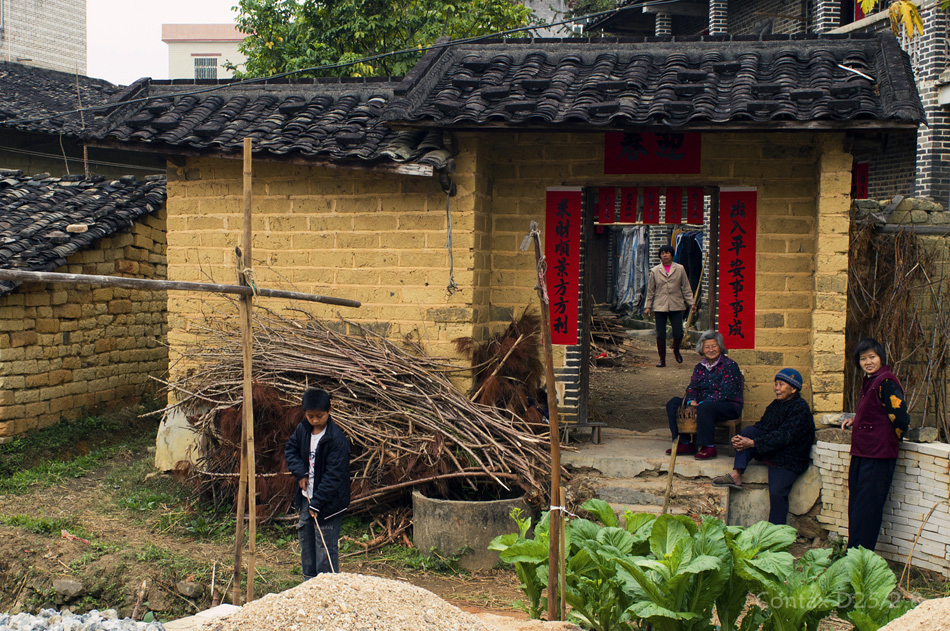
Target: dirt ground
{"type": "Point", "coordinates": [124, 548]}
{"type": "Point", "coordinates": [634, 395]}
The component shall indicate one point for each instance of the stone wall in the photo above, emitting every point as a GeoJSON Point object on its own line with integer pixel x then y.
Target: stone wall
{"type": "Point", "coordinates": [380, 238]}
{"type": "Point", "coordinates": [69, 349]}
{"type": "Point", "coordinates": [921, 480]}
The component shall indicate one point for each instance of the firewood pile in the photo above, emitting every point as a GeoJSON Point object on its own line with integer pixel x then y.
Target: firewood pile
{"type": "Point", "coordinates": [607, 337]}
{"type": "Point", "coordinates": [409, 425]}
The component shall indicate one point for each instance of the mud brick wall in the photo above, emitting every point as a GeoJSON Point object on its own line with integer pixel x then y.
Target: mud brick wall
{"type": "Point", "coordinates": [921, 480]}
{"type": "Point", "coordinates": [69, 349]}
{"type": "Point", "coordinates": [380, 238]}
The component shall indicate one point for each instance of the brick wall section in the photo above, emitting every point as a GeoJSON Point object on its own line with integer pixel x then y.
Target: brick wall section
{"type": "Point", "coordinates": [718, 17]}
{"type": "Point", "coordinates": [933, 139]}
{"type": "Point", "coordinates": [890, 165]}
{"type": "Point", "coordinates": [66, 349]}
{"type": "Point", "coordinates": [921, 480]}
{"type": "Point", "coordinates": [377, 238]}
{"type": "Point", "coordinates": [49, 34]}
{"type": "Point", "coordinates": [827, 15]}
{"type": "Point", "coordinates": [830, 278]}
{"type": "Point", "coordinates": [745, 16]}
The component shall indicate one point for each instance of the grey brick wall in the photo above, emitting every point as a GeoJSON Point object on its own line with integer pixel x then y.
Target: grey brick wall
{"type": "Point", "coordinates": [746, 17]}
{"type": "Point", "coordinates": [45, 33]}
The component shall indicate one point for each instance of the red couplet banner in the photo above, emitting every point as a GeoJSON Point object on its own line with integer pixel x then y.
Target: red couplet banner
{"type": "Point", "coordinates": [562, 251]}
{"type": "Point", "coordinates": [651, 153]}
{"type": "Point", "coordinates": [628, 204]}
{"type": "Point", "coordinates": [674, 205]}
{"type": "Point", "coordinates": [607, 204]}
{"type": "Point", "coordinates": [651, 204]}
{"type": "Point", "coordinates": [694, 205]}
{"type": "Point", "coordinates": [737, 226]}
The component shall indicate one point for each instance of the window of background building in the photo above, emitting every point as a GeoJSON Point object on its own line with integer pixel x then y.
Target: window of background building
{"type": "Point", "coordinates": [206, 68]}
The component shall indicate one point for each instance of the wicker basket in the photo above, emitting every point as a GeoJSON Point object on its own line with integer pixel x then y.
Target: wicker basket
{"type": "Point", "coordinates": [686, 419]}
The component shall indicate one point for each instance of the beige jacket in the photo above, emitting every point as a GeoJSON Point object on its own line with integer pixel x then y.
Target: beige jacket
{"type": "Point", "coordinates": [668, 293]}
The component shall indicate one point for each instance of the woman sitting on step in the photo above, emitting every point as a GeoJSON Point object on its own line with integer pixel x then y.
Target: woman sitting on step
{"type": "Point", "coordinates": [782, 440]}
{"type": "Point", "coordinates": [715, 389]}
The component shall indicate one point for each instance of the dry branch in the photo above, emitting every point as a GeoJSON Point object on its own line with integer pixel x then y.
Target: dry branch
{"type": "Point", "coordinates": [409, 425]}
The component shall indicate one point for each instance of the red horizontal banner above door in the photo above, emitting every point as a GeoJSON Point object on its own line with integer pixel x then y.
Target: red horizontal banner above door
{"type": "Point", "coordinates": [652, 153]}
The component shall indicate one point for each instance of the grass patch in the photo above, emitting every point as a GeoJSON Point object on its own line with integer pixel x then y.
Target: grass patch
{"type": "Point", "coordinates": [71, 438]}
{"type": "Point", "coordinates": [41, 525]}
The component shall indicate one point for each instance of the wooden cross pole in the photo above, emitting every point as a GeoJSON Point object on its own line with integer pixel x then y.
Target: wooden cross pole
{"type": "Point", "coordinates": [555, 516]}
{"type": "Point", "coordinates": [247, 482]}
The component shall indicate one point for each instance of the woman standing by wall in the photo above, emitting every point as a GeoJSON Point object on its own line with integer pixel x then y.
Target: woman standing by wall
{"type": "Point", "coordinates": [879, 425]}
{"type": "Point", "coordinates": [668, 296]}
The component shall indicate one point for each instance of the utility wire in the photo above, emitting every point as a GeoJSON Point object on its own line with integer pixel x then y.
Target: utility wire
{"type": "Point", "coordinates": [405, 51]}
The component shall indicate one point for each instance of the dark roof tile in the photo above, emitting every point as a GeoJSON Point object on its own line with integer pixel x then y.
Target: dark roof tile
{"type": "Point", "coordinates": [36, 211]}
{"type": "Point", "coordinates": [324, 119]}
{"type": "Point", "coordinates": [27, 92]}
{"type": "Point", "coordinates": [700, 84]}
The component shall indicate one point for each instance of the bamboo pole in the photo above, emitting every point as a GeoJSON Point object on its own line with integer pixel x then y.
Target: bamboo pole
{"type": "Point", "coordinates": [555, 515]}
{"type": "Point", "coordinates": [246, 306]}
{"type": "Point", "coordinates": [669, 477]}
{"type": "Point", "coordinates": [24, 276]}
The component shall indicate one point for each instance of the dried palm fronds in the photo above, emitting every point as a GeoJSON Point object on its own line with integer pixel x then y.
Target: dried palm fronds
{"type": "Point", "coordinates": [409, 425]}
{"type": "Point", "coordinates": [507, 368]}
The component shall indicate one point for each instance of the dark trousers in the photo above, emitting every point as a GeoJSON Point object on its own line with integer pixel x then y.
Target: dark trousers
{"type": "Point", "coordinates": [780, 480]}
{"type": "Point", "coordinates": [313, 556]}
{"type": "Point", "coordinates": [707, 414]}
{"type": "Point", "coordinates": [676, 321]}
{"type": "Point", "coordinates": [869, 483]}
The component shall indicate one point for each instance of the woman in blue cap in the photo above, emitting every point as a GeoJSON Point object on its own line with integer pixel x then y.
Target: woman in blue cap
{"type": "Point", "coordinates": [782, 440]}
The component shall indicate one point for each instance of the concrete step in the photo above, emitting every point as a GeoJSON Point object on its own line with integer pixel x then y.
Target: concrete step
{"type": "Point", "coordinates": [628, 454]}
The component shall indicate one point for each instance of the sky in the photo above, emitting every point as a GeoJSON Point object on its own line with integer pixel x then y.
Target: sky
{"type": "Point", "coordinates": [124, 37]}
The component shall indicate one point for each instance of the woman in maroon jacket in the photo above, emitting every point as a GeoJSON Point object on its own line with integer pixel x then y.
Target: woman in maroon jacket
{"type": "Point", "coordinates": [878, 427]}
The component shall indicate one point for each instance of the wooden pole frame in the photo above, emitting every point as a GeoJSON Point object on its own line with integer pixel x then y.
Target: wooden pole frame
{"type": "Point", "coordinates": [555, 515]}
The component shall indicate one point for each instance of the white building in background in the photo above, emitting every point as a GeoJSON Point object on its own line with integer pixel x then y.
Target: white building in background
{"type": "Point", "coordinates": [199, 51]}
{"type": "Point", "coordinates": [44, 33]}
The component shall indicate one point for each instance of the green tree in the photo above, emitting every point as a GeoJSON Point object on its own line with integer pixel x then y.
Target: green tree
{"type": "Point", "coordinates": [287, 35]}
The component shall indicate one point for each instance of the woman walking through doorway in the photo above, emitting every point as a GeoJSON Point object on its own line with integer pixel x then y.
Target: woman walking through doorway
{"type": "Point", "coordinates": [668, 296]}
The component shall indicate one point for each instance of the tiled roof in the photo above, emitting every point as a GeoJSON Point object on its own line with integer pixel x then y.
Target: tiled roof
{"type": "Point", "coordinates": [701, 83]}
{"type": "Point", "coordinates": [36, 211]}
{"type": "Point", "coordinates": [27, 92]}
{"type": "Point", "coordinates": [323, 119]}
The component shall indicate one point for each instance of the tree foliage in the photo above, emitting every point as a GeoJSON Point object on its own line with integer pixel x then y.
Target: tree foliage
{"type": "Point", "coordinates": [287, 35]}
{"type": "Point", "coordinates": [904, 15]}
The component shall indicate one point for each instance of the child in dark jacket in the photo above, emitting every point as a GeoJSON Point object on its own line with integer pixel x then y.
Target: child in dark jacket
{"type": "Point", "coordinates": [318, 456]}
{"type": "Point", "coordinates": [782, 439]}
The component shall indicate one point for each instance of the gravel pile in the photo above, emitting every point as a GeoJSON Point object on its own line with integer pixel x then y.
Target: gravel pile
{"type": "Point", "coordinates": [930, 615]}
{"type": "Point", "coordinates": [349, 602]}
{"type": "Point", "coordinates": [52, 620]}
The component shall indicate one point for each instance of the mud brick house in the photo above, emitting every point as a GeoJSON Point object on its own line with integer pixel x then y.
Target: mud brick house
{"type": "Point", "coordinates": [68, 349]}
{"type": "Point", "coordinates": [749, 139]}
{"type": "Point", "coordinates": [36, 138]}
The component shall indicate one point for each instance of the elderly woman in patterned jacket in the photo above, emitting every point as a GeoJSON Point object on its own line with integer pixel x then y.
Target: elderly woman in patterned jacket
{"type": "Point", "coordinates": [782, 440]}
{"type": "Point", "coordinates": [715, 389]}
{"type": "Point", "coordinates": [878, 428]}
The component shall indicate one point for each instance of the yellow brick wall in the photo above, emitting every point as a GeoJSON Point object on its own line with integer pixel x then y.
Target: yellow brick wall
{"type": "Point", "coordinates": [380, 238]}
{"type": "Point", "coordinates": [67, 349]}
{"type": "Point", "coordinates": [377, 238]}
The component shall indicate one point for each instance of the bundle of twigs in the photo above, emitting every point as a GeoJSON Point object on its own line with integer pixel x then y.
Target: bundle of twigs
{"type": "Point", "coordinates": [607, 336]}
{"type": "Point", "coordinates": [409, 425]}
{"type": "Point", "coordinates": [895, 297]}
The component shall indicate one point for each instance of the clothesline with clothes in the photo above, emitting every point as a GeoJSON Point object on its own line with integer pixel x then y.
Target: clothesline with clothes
{"type": "Point", "coordinates": [632, 260]}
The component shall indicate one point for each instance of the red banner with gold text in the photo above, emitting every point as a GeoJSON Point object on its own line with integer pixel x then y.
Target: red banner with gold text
{"type": "Point", "coordinates": [562, 252]}
{"type": "Point", "coordinates": [737, 227]}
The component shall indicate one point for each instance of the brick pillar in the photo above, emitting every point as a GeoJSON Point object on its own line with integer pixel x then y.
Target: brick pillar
{"type": "Point", "coordinates": [831, 277]}
{"type": "Point", "coordinates": [664, 24]}
{"type": "Point", "coordinates": [929, 58]}
{"type": "Point", "coordinates": [718, 23]}
{"type": "Point", "coordinates": [827, 15]}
